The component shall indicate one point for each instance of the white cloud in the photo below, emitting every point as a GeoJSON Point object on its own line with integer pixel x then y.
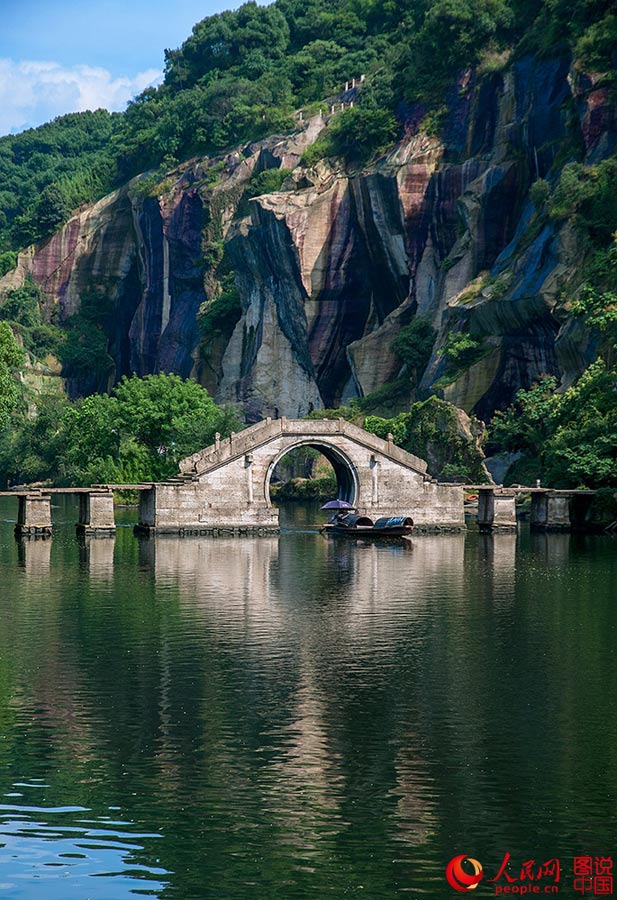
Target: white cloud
{"type": "Point", "coordinates": [35, 92]}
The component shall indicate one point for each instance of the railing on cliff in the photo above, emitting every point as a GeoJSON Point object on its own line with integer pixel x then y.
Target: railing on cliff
{"type": "Point", "coordinates": [223, 451]}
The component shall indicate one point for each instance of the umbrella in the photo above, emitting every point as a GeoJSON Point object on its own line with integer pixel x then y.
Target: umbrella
{"type": "Point", "coordinates": [337, 504]}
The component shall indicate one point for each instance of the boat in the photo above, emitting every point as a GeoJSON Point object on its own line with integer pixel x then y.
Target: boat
{"type": "Point", "coordinates": [345, 524]}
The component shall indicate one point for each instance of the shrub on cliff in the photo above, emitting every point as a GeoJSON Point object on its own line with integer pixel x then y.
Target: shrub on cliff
{"type": "Point", "coordinates": [445, 436]}
{"type": "Point", "coordinates": [586, 194]}
{"type": "Point", "coordinates": [414, 344]}
{"type": "Point", "coordinates": [356, 135]}
{"type": "Point", "coordinates": [23, 310]}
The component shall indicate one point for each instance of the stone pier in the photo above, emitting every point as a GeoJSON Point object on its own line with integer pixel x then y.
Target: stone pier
{"type": "Point", "coordinates": [34, 517]}
{"type": "Point", "coordinates": [496, 511]}
{"type": "Point", "coordinates": [96, 514]}
{"type": "Point", "coordinates": [550, 511]}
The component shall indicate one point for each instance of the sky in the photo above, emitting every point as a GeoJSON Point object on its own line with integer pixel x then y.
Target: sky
{"type": "Point", "coordinates": [61, 56]}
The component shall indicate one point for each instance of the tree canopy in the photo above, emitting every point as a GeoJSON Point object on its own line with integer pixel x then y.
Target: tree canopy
{"type": "Point", "coordinates": [139, 432]}
{"type": "Point", "coordinates": [241, 74]}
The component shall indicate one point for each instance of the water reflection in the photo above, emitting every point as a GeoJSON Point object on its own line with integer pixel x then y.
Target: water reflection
{"type": "Point", "coordinates": [553, 549]}
{"type": "Point", "coordinates": [300, 717]}
{"type": "Point", "coordinates": [97, 556]}
{"type": "Point", "coordinates": [34, 555]}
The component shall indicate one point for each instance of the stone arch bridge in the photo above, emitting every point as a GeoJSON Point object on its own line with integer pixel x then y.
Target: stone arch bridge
{"type": "Point", "coordinates": [226, 488]}
{"type": "Point", "coordinates": [227, 485]}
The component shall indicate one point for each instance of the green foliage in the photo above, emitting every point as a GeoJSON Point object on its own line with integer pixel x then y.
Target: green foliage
{"type": "Point", "coordinates": [461, 351]}
{"type": "Point", "coordinates": [559, 24]}
{"type": "Point", "coordinates": [85, 348]}
{"type": "Point", "coordinates": [597, 301]}
{"type": "Point", "coordinates": [600, 309]}
{"type": "Point", "coordinates": [603, 511]}
{"type": "Point", "coordinates": [451, 36]}
{"type": "Point", "coordinates": [356, 134]}
{"type": "Point", "coordinates": [586, 194]}
{"type": "Point", "coordinates": [583, 449]}
{"type": "Point", "coordinates": [572, 434]}
{"type": "Point", "coordinates": [595, 47]}
{"type": "Point", "coordinates": [431, 430]}
{"type": "Point", "coordinates": [29, 448]}
{"type": "Point", "coordinates": [539, 192]}
{"type": "Point", "coordinates": [46, 172]}
{"type": "Point", "coordinates": [218, 318]}
{"type": "Point", "coordinates": [388, 399]}
{"type": "Point", "coordinates": [414, 344]}
{"type": "Point", "coordinates": [8, 261]}
{"type": "Point", "coordinates": [139, 432]}
{"type": "Point", "coordinates": [23, 310]}
{"type": "Point", "coordinates": [11, 357]}
{"type": "Point", "coordinates": [269, 181]}
{"type": "Point", "coordinates": [322, 488]}
{"type": "Point", "coordinates": [527, 424]}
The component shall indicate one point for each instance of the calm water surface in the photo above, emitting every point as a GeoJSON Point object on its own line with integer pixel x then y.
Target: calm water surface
{"type": "Point", "coordinates": [298, 717]}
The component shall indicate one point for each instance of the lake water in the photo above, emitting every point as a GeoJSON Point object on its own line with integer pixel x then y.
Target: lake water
{"type": "Point", "coordinates": [300, 717]}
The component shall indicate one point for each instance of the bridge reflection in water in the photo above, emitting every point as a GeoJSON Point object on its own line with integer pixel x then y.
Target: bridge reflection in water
{"type": "Point", "coordinates": [358, 606]}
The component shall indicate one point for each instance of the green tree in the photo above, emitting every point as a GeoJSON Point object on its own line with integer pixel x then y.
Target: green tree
{"type": "Point", "coordinates": [451, 37]}
{"type": "Point", "coordinates": [414, 344]}
{"type": "Point", "coordinates": [8, 261]}
{"type": "Point", "coordinates": [29, 450]}
{"type": "Point", "coordinates": [51, 210]}
{"type": "Point", "coordinates": [141, 431]}
{"type": "Point", "coordinates": [11, 357]}
{"type": "Point", "coordinates": [583, 449]}
{"type": "Point", "coordinates": [461, 351]}
{"type": "Point", "coordinates": [528, 423]}
{"type": "Point", "coordinates": [572, 435]}
{"type": "Point", "coordinates": [356, 134]}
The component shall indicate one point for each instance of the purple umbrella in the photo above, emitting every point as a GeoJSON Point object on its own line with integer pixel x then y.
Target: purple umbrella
{"type": "Point", "coordinates": [337, 504]}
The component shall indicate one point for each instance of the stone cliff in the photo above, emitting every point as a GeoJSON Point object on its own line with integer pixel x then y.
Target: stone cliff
{"type": "Point", "coordinates": [330, 267]}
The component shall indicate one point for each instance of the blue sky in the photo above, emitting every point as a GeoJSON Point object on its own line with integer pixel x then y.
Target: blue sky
{"type": "Point", "coordinates": [59, 56]}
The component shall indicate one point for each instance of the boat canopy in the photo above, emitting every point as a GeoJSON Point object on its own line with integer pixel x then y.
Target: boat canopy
{"type": "Point", "coordinates": [394, 522]}
{"type": "Point", "coordinates": [353, 521]}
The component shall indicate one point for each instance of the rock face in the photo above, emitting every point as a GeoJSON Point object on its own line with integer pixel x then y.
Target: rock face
{"type": "Point", "coordinates": [330, 267]}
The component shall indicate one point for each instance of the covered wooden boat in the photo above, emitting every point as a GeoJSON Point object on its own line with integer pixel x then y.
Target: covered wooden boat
{"type": "Point", "coordinates": [354, 525]}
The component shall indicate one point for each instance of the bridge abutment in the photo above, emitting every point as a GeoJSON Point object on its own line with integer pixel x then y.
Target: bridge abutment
{"type": "Point", "coordinates": [190, 509]}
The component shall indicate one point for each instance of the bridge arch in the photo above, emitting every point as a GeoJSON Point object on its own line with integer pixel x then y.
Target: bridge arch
{"type": "Point", "coordinates": [346, 473]}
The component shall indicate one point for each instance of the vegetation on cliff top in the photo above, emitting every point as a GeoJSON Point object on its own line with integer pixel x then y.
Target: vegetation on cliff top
{"type": "Point", "coordinates": [241, 74]}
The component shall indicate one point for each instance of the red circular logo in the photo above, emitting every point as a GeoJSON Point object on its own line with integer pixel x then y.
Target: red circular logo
{"type": "Point", "coordinates": [461, 880]}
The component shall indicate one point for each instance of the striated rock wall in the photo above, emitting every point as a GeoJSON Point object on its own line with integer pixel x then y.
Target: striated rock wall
{"type": "Point", "coordinates": [332, 266]}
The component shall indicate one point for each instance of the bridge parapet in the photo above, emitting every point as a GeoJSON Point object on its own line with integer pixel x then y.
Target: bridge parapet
{"type": "Point", "coordinates": [255, 436]}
